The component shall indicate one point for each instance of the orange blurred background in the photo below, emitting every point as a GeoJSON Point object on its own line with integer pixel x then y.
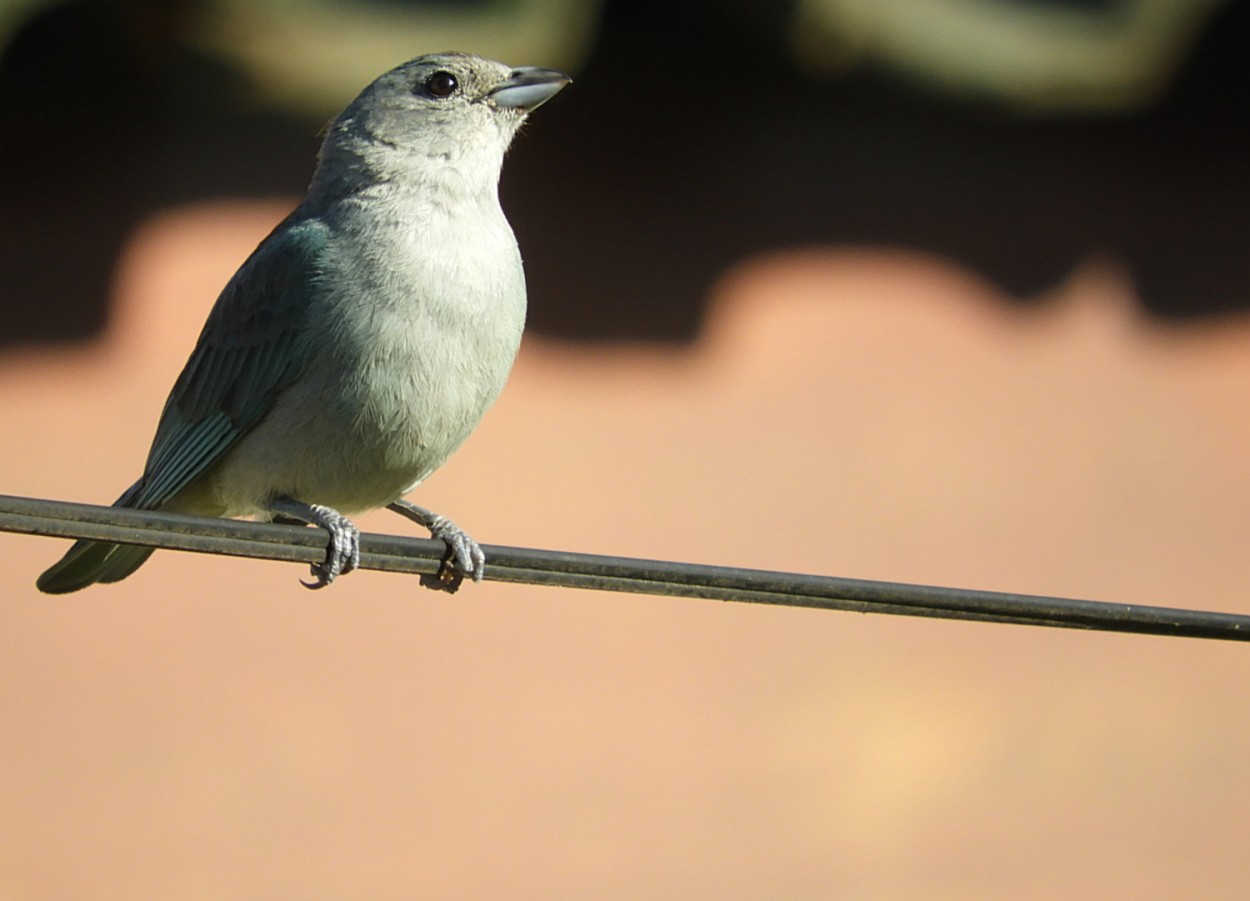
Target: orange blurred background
{"type": "Point", "coordinates": [866, 408]}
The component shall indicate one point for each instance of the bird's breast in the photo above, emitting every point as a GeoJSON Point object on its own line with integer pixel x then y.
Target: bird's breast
{"type": "Point", "coordinates": [412, 329]}
{"type": "Point", "coordinates": [423, 326]}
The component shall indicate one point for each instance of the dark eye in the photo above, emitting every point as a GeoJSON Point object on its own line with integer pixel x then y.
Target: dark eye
{"type": "Point", "coordinates": [442, 84]}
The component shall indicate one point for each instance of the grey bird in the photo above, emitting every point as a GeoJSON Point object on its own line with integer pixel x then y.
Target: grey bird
{"type": "Point", "coordinates": [363, 340]}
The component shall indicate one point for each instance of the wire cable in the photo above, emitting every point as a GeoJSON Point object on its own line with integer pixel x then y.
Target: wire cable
{"type": "Point", "coordinates": [391, 553]}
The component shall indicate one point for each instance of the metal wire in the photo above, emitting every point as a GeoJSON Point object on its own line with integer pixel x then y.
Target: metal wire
{"type": "Point", "coordinates": [391, 553]}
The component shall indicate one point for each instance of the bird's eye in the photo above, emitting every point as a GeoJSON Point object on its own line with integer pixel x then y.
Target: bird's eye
{"type": "Point", "coordinates": [442, 84]}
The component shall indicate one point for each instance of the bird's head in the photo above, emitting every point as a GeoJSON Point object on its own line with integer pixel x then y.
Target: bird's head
{"type": "Point", "coordinates": [444, 110]}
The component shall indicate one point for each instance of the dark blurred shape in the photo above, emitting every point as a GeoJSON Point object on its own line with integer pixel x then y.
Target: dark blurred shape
{"type": "Point", "coordinates": [690, 141]}
{"type": "Point", "coordinates": [109, 116]}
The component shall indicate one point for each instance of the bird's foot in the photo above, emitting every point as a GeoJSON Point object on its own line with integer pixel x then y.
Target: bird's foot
{"type": "Point", "coordinates": [464, 556]}
{"type": "Point", "coordinates": [343, 551]}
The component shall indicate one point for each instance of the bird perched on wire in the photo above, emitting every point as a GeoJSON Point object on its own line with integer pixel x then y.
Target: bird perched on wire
{"type": "Point", "coordinates": [362, 341]}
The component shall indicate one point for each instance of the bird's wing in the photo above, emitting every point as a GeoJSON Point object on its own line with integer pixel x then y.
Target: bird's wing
{"type": "Point", "coordinates": [251, 348]}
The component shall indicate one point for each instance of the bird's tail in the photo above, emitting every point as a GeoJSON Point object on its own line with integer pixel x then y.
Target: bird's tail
{"type": "Point", "coordinates": [88, 562]}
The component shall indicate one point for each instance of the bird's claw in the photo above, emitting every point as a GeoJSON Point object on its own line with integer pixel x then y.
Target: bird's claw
{"type": "Point", "coordinates": [343, 549]}
{"type": "Point", "coordinates": [464, 556]}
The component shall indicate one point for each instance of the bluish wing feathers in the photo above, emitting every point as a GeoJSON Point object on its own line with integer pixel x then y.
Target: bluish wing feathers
{"type": "Point", "coordinates": [251, 348]}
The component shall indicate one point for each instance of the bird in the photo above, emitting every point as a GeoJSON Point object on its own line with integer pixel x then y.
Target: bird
{"type": "Point", "coordinates": [364, 338]}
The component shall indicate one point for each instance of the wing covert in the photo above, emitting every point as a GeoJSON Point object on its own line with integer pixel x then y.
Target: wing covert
{"type": "Point", "coordinates": [251, 348]}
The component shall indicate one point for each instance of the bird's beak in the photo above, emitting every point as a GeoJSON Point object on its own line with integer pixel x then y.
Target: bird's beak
{"type": "Point", "coordinates": [528, 88]}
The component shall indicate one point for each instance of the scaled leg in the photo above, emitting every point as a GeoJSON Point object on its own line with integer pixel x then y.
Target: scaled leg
{"type": "Point", "coordinates": [464, 556]}
{"type": "Point", "coordinates": [343, 551]}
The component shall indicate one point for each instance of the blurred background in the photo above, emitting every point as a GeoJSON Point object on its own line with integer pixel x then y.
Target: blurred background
{"type": "Point", "coordinates": [941, 291]}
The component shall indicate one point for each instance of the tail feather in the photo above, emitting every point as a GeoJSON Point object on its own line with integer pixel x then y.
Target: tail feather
{"type": "Point", "coordinates": [88, 562]}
